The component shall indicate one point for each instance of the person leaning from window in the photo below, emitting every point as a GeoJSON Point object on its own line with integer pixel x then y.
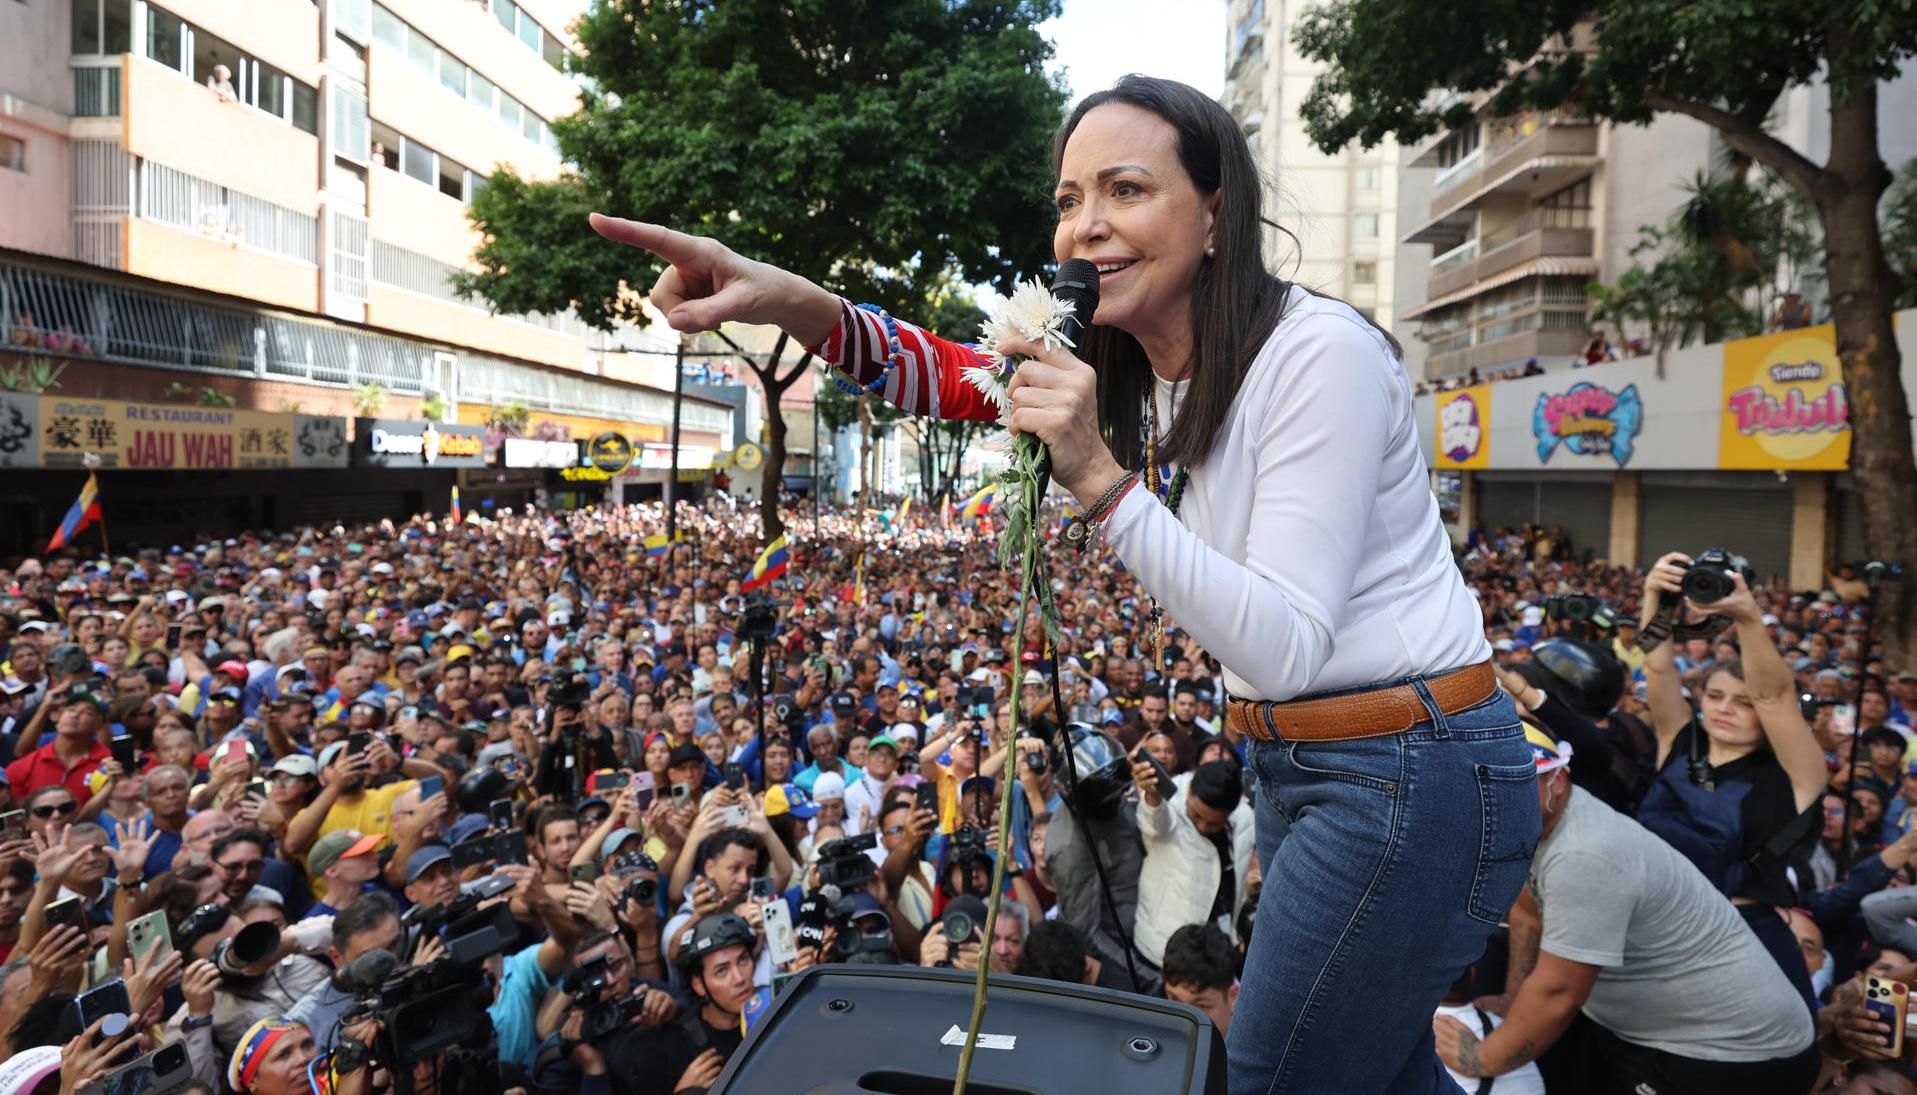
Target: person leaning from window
{"type": "Point", "coordinates": [1739, 780]}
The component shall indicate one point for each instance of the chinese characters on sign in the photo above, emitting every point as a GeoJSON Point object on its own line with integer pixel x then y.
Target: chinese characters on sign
{"type": "Point", "coordinates": [58, 431]}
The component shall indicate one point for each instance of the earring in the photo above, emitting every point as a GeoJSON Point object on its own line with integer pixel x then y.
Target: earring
{"type": "Point", "coordinates": [1209, 250]}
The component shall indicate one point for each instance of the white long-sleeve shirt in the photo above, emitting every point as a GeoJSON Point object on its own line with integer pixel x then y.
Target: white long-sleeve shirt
{"type": "Point", "coordinates": [1307, 553]}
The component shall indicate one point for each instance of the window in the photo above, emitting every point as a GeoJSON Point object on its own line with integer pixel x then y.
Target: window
{"type": "Point", "coordinates": [529, 32]}
{"type": "Point", "coordinates": [13, 153]}
{"type": "Point", "coordinates": [210, 53]}
{"type": "Point", "coordinates": [86, 27]}
{"type": "Point", "coordinates": [305, 108]}
{"type": "Point", "coordinates": [1364, 226]}
{"type": "Point", "coordinates": [349, 125]}
{"type": "Point", "coordinates": [555, 53]}
{"type": "Point", "coordinates": [270, 93]}
{"type": "Point", "coordinates": [509, 111]}
{"type": "Point", "coordinates": [452, 179]}
{"type": "Point", "coordinates": [350, 18]}
{"type": "Point", "coordinates": [119, 24]}
{"type": "Point", "coordinates": [388, 29]}
{"type": "Point", "coordinates": [102, 26]}
{"type": "Point", "coordinates": [386, 144]}
{"type": "Point", "coordinates": [530, 125]}
{"type": "Point", "coordinates": [417, 161]}
{"type": "Point", "coordinates": [507, 13]}
{"type": "Point", "coordinates": [452, 74]}
{"type": "Point", "coordinates": [1364, 273]}
{"type": "Point", "coordinates": [482, 92]}
{"type": "Point", "coordinates": [1367, 178]}
{"type": "Point", "coordinates": [164, 33]}
{"type": "Point", "coordinates": [420, 51]}
{"type": "Point", "coordinates": [1567, 208]}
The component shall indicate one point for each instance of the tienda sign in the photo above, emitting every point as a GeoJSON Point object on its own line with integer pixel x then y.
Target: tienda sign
{"type": "Point", "coordinates": [1784, 403]}
{"type": "Point", "coordinates": [1588, 420]}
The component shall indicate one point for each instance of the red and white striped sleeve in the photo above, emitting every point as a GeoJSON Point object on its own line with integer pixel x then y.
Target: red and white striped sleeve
{"type": "Point", "coordinates": [929, 381]}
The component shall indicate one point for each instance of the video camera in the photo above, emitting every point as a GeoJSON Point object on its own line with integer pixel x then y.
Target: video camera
{"type": "Point", "coordinates": [843, 863]}
{"type": "Point", "coordinates": [759, 619]}
{"type": "Point", "coordinates": [827, 908]}
{"type": "Point", "coordinates": [425, 1010]}
{"type": "Point", "coordinates": [569, 689]}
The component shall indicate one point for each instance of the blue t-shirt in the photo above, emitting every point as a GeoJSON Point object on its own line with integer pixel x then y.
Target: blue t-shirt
{"type": "Point", "coordinates": [160, 851]}
{"type": "Point", "coordinates": [521, 988]}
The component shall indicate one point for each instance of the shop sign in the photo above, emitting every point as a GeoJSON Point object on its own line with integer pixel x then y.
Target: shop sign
{"type": "Point", "coordinates": [1588, 420]}
{"type": "Point", "coordinates": [319, 441]}
{"type": "Point", "coordinates": [19, 430]}
{"type": "Point", "coordinates": [1784, 403]}
{"type": "Point", "coordinates": [585, 475]}
{"type": "Point", "coordinates": [400, 443]}
{"type": "Point", "coordinates": [527, 452]}
{"type": "Point", "coordinates": [161, 435]}
{"type": "Point", "coordinates": [609, 452]}
{"type": "Point", "coordinates": [1464, 428]}
{"type": "Point", "coordinates": [748, 457]}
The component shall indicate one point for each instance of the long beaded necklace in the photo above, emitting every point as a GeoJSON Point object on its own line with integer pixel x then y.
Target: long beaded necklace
{"type": "Point", "coordinates": [1169, 490]}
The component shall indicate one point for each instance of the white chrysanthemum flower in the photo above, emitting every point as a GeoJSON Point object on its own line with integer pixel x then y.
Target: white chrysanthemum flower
{"type": "Point", "coordinates": [990, 383]}
{"type": "Point", "coordinates": [1038, 314]}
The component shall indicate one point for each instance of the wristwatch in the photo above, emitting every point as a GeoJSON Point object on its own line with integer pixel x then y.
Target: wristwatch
{"type": "Point", "coordinates": [196, 1022]}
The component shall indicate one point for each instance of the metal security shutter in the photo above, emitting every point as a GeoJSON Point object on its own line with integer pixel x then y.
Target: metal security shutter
{"type": "Point", "coordinates": [327, 509]}
{"type": "Point", "coordinates": [1753, 521]}
{"type": "Point", "coordinates": [1581, 507]}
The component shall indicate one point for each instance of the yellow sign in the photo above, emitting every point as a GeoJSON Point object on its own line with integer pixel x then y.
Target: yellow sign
{"type": "Point", "coordinates": [585, 475]}
{"type": "Point", "coordinates": [1464, 428]}
{"type": "Point", "coordinates": [609, 452]}
{"type": "Point", "coordinates": [721, 459]}
{"type": "Point", "coordinates": [748, 457]}
{"type": "Point", "coordinates": [1784, 405]}
{"type": "Point", "coordinates": [162, 435]}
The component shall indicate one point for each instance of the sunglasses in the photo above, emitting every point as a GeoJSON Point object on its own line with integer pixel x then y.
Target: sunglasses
{"type": "Point", "coordinates": [59, 810]}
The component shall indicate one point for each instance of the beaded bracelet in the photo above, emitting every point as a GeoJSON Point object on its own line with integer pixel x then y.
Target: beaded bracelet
{"type": "Point", "coordinates": [894, 356]}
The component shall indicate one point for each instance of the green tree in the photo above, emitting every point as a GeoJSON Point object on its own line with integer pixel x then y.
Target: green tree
{"type": "Point", "coordinates": [876, 148]}
{"type": "Point", "coordinates": [1723, 62]}
{"type": "Point", "coordinates": [1900, 233]}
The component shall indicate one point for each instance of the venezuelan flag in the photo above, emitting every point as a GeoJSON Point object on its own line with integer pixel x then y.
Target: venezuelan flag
{"type": "Point", "coordinates": [980, 504]}
{"type": "Point", "coordinates": [656, 544]}
{"type": "Point", "coordinates": [84, 511]}
{"type": "Point", "coordinates": [457, 516]}
{"type": "Point", "coordinates": [770, 565]}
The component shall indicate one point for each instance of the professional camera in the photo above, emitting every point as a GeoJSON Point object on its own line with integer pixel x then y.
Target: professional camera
{"type": "Point", "coordinates": [425, 1010]}
{"type": "Point", "coordinates": [569, 689]}
{"type": "Point", "coordinates": [1580, 608]}
{"type": "Point", "coordinates": [759, 619]}
{"type": "Point", "coordinates": [1708, 579]}
{"type": "Point", "coordinates": [843, 863]}
{"type": "Point", "coordinates": [586, 984]}
{"type": "Point", "coordinates": [851, 941]}
{"type": "Point", "coordinates": [968, 844]}
{"type": "Point", "coordinates": [253, 945]}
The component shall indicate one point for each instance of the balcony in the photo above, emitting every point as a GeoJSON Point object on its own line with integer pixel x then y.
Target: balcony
{"type": "Point", "coordinates": [170, 119]}
{"type": "Point", "coordinates": [1453, 270]}
{"type": "Point", "coordinates": [1542, 334]}
{"type": "Point", "coordinates": [1533, 155]}
{"type": "Point", "coordinates": [1526, 238]}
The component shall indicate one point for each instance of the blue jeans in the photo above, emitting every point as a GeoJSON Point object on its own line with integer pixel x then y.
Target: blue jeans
{"type": "Point", "coordinates": [1387, 862]}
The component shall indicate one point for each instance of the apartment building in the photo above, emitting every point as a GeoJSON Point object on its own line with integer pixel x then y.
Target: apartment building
{"type": "Point", "coordinates": [1340, 209]}
{"type": "Point", "coordinates": [266, 199]}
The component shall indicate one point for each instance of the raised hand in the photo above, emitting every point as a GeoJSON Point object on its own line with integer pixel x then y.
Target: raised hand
{"type": "Point", "coordinates": [708, 284]}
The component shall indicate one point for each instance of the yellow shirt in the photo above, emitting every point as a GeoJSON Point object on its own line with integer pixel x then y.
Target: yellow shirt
{"type": "Point", "coordinates": [1629, 654]}
{"type": "Point", "coordinates": [373, 813]}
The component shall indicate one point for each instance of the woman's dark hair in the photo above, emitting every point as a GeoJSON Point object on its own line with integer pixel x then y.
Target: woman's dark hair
{"type": "Point", "coordinates": [1234, 286]}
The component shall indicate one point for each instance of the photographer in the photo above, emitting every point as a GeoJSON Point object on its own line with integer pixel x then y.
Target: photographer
{"type": "Point", "coordinates": [1096, 809]}
{"type": "Point", "coordinates": [370, 923]}
{"type": "Point", "coordinates": [263, 972]}
{"type": "Point", "coordinates": [1737, 790]}
{"type": "Point", "coordinates": [1198, 851]}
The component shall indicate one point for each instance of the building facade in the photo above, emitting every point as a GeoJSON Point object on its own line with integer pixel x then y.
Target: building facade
{"type": "Point", "coordinates": [260, 204]}
{"type": "Point", "coordinates": [1338, 211]}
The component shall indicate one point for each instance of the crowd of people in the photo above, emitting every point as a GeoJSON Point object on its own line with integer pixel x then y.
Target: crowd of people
{"type": "Point", "coordinates": [494, 806]}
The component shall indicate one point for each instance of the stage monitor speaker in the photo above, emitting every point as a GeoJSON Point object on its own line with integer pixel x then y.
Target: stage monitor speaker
{"type": "Point", "coordinates": [898, 1030]}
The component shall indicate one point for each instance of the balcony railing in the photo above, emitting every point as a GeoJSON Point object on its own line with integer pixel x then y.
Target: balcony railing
{"type": "Point", "coordinates": [96, 92]}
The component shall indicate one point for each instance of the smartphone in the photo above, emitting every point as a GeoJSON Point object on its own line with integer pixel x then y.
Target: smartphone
{"type": "Point", "coordinates": [256, 788]}
{"type": "Point", "coordinates": [164, 1069]}
{"type": "Point", "coordinates": [681, 792]}
{"type": "Point", "coordinates": [1843, 719]}
{"type": "Point", "coordinates": [780, 940]}
{"type": "Point", "coordinates": [512, 848]}
{"type": "Point", "coordinates": [1167, 787]}
{"type": "Point", "coordinates": [584, 872]}
{"type": "Point", "coordinates": [430, 786]}
{"type": "Point", "coordinates": [235, 751]}
{"type": "Point", "coordinates": [500, 812]}
{"type": "Point", "coordinates": [735, 776]}
{"type": "Point", "coordinates": [642, 790]}
{"type": "Point", "coordinates": [982, 699]}
{"type": "Point", "coordinates": [108, 999]}
{"type": "Point", "coordinates": [149, 934]}
{"type": "Point", "coordinates": [1887, 1002]}
{"type": "Point", "coordinates": [173, 636]}
{"type": "Point", "coordinates": [928, 797]}
{"type": "Point", "coordinates": [734, 817]}
{"type": "Point", "coordinates": [12, 822]}
{"type": "Point", "coordinates": [611, 781]}
{"type": "Point", "coordinates": [473, 851]}
{"type": "Point", "coordinates": [122, 747]}
{"type": "Point", "coordinates": [70, 911]}
{"type": "Point", "coordinates": [762, 889]}
{"type": "Point", "coordinates": [358, 742]}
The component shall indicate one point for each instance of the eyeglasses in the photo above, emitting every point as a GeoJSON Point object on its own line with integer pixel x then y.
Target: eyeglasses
{"type": "Point", "coordinates": [244, 866]}
{"type": "Point", "coordinates": [61, 809]}
{"type": "Point", "coordinates": [894, 830]}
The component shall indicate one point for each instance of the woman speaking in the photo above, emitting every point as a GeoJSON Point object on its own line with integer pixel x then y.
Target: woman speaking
{"type": "Point", "coordinates": [1248, 449]}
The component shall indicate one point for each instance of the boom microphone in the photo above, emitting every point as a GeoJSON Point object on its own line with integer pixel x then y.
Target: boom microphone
{"type": "Point", "coordinates": [1076, 283]}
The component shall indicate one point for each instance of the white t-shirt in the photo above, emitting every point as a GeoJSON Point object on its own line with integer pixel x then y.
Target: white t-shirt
{"type": "Point", "coordinates": [1313, 519]}
{"type": "Point", "coordinates": [1519, 1081]}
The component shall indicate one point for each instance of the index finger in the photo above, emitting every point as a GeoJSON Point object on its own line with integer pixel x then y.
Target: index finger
{"type": "Point", "coordinates": [674, 247]}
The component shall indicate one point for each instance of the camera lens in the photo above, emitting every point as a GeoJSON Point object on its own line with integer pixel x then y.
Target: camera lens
{"type": "Point", "coordinates": [958, 927]}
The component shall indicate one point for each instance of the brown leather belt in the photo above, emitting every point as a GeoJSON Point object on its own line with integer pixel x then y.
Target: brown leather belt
{"type": "Point", "coordinates": [1371, 714]}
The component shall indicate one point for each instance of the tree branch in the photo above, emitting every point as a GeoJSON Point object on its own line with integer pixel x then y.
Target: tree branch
{"type": "Point", "coordinates": [1749, 138]}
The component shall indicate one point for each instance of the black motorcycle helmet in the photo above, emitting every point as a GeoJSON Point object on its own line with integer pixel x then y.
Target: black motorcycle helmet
{"type": "Point", "coordinates": [479, 787]}
{"type": "Point", "coordinates": [1104, 771]}
{"type": "Point", "coordinates": [1584, 675]}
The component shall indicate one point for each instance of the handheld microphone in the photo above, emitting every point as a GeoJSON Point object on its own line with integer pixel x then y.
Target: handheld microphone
{"type": "Point", "coordinates": [1076, 283]}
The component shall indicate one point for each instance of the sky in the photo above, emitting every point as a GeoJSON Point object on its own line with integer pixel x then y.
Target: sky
{"type": "Point", "coordinates": [1098, 41]}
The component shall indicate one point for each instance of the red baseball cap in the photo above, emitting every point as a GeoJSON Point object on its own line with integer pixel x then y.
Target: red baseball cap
{"type": "Point", "coordinates": [235, 669]}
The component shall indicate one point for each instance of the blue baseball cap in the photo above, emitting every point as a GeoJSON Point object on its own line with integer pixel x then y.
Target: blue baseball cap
{"type": "Point", "coordinates": [421, 860]}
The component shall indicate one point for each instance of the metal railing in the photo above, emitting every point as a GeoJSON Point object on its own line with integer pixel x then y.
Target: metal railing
{"type": "Point", "coordinates": [96, 92]}
{"type": "Point", "coordinates": [1455, 258]}
{"type": "Point", "coordinates": [349, 255]}
{"type": "Point", "coordinates": [45, 310]}
{"type": "Point", "coordinates": [100, 170]}
{"type": "Point", "coordinates": [188, 201]}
